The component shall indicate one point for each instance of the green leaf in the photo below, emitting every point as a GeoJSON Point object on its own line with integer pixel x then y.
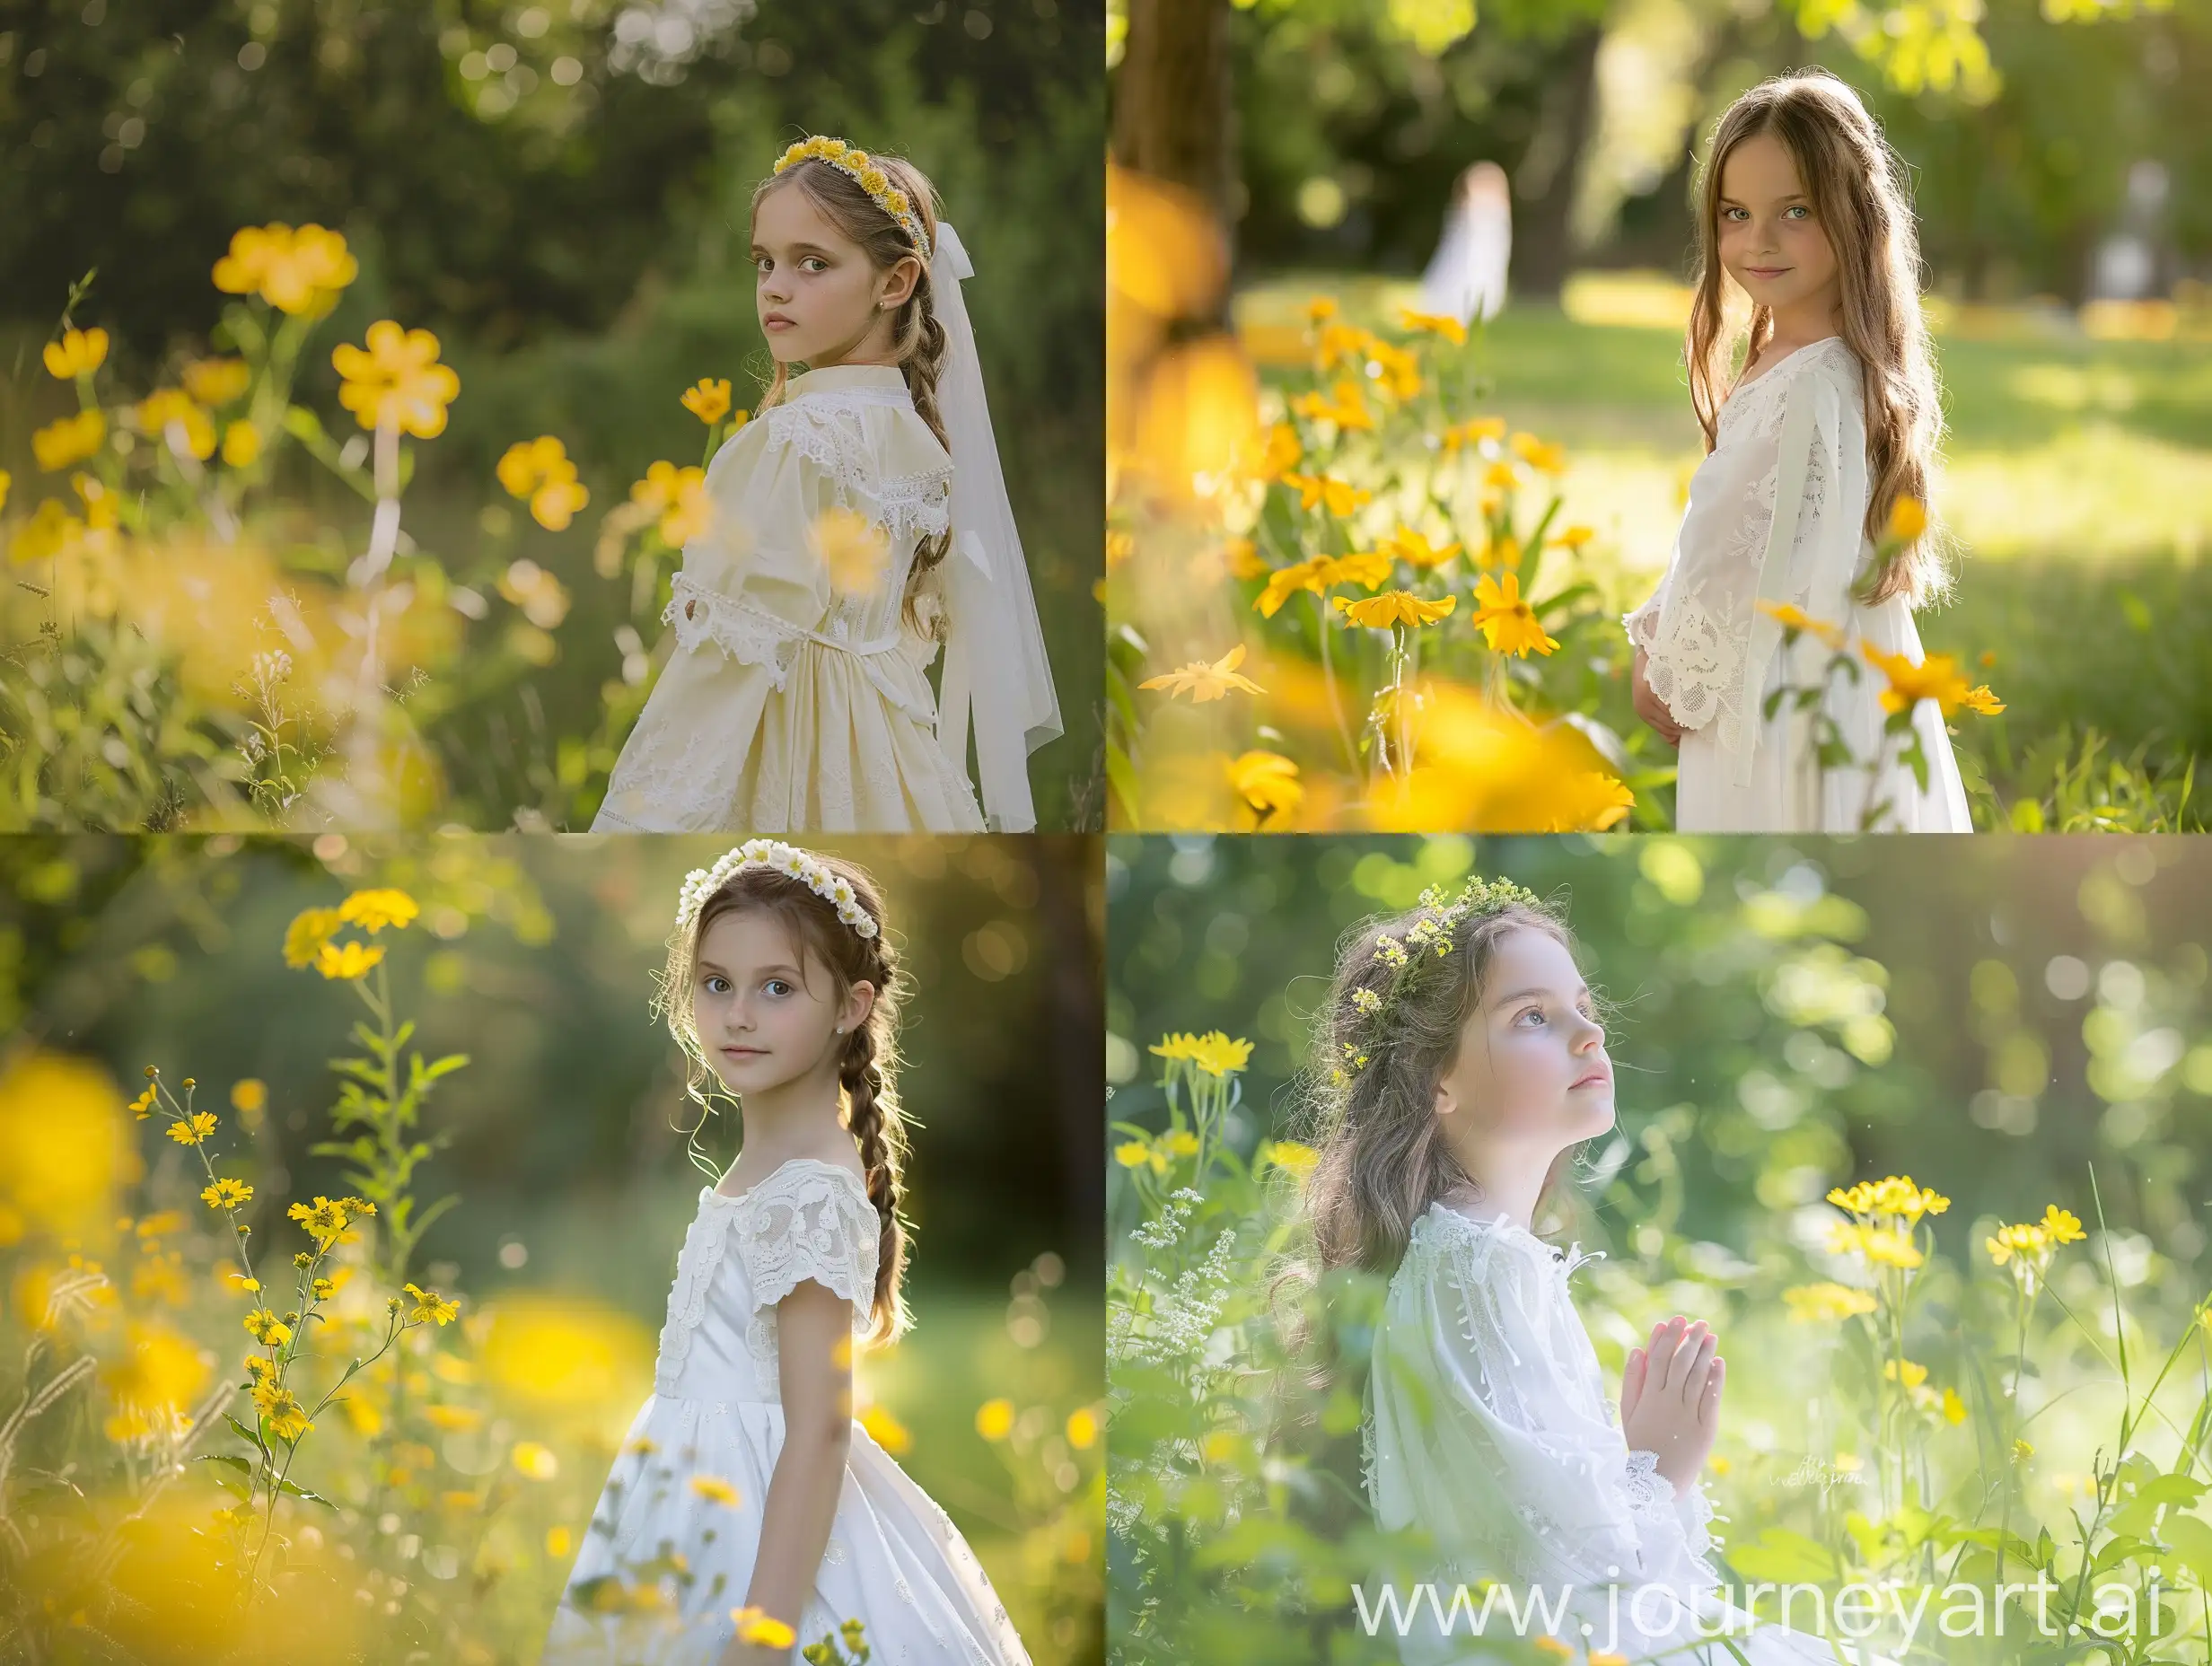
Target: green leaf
{"type": "Point", "coordinates": [297, 1491]}
{"type": "Point", "coordinates": [2193, 1544]}
{"type": "Point", "coordinates": [1783, 1558]}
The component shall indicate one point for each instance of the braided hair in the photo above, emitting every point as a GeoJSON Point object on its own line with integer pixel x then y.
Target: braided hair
{"type": "Point", "coordinates": [868, 1067]}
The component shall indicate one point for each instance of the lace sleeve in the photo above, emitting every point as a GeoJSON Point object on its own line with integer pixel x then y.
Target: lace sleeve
{"type": "Point", "coordinates": [1491, 1432]}
{"type": "Point", "coordinates": [810, 1221]}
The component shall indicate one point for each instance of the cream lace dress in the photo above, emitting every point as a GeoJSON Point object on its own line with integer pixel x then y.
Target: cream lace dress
{"type": "Point", "coordinates": [1777, 511]}
{"type": "Point", "coordinates": [1488, 1431]}
{"type": "Point", "coordinates": [786, 705]}
{"type": "Point", "coordinates": [663, 1564]}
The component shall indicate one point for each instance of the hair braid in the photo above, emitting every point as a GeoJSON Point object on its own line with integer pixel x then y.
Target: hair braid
{"type": "Point", "coordinates": [872, 1117]}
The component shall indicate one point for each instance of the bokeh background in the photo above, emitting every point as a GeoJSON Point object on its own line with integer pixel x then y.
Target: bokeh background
{"type": "Point", "coordinates": [562, 1138]}
{"type": "Point", "coordinates": [2058, 168]}
{"type": "Point", "coordinates": [2013, 1023]}
{"type": "Point", "coordinates": [559, 192]}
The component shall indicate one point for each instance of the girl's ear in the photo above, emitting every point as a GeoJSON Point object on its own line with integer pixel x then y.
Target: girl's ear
{"type": "Point", "coordinates": [899, 282]}
{"type": "Point", "coordinates": [859, 1002]}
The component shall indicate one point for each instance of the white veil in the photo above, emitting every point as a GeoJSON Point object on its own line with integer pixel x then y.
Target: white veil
{"type": "Point", "coordinates": [996, 674]}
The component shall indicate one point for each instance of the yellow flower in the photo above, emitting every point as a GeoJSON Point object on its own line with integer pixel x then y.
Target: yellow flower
{"type": "Point", "coordinates": [1135, 1155]}
{"type": "Point", "coordinates": [430, 1307]}
{"type": "Point", "coordinates": [708, 399]}
{"type": "Point", "coordinates": [286, 1418]}
{"type": "Point", "coordinates": [194, 1129]}
{"type": "Point", "coordinates": [265, 1328]}
{"type": "Point", "coordinates": [1083, 1428]}
{"type": "Point", "coordinates": [853, 549]}
{"type": "Point", "coordinates": [1346, 406]}
{"type": "Point", "coordinates": [168, 411]}
{"type": "Point", "coordinates": [1401, 371]}
{"type": "Point", "coordinates": [1320, 309]}
{"type": "Point", "coordinates": [1291, 1156]}
{"type": "Point", "coordinates": [301, 272]}
{"type": "Point", "coordinates": [1823, 1303]}
{"type": "Point", "coordinates": [1602, 1657]}
{"type": "Point", "coordinates": [1551, 1647]}
{"type": "Point", "coordinates": [347, 962]}
{"type": "Point", "coordinates": [1283, 453]}
{"type": "Point", "coordinates": [1509, 624]}
{"type": "Point", "coordinates": [678, 496]}
{"type": "Point", "coordinates": [1979, 698]}
{"type": "Point", "coordinates": [1896, 1195]}
{"type": "Point", "coordinates": [758, 1626]}
{"type": "Point", "coordinates": [536, 1461]}
{"type": "Point", "coordinates": [248, 1095]}
{"type": "Point", "coordinates": [1415, 550]}
{"type": "Point", "coordinates": [1908, 519]}
{"type": "Point", "coordinates": [2021, 1452]}
{"type": "Point", "coordinates": [1283, 582]}
{"type": "Point", "coordinates": [396, 380]}
{"type": "Point", "coordinates": [995, 1419]}
{"type": "Point", "coordinates": [1367, 567]}
{"type": "Point", "coordinates": [372, 911]}
{"type": "Point", "coordinates": [1393, 608]}
{"type": "Point", "coordinates": [310, 930]}
{"type": "Point", "coordinates": [78, 353]}
{"type": "Point", "coordinates": [50, 532]}
{"type": "Point", "coordinates": [1339, 498]}
{"type": "Point", "coordinates": [874, 181]}
{"type": "Point", "coordinates": [1794, 618]}
{"type": "Point", "coordinates": [1175, 1045]}
{"type": "Point", "coordinates": [225, 1194]}
{"type": "Point", "coordinates": [1914, 1374]}
{"type": "Point", "coordinates": [241, 444]}
{"type": "Point", "coordinates": [1936, 678]}
{"type": "Point", "coordinates": [1267, 782]}
{"type": "Point", "coordinates": [1573, 536]}
{"type": "Point", "coordinates": [324, 1219]}
{"type": "Point", "coordinates": [713, 1489]}
{"type": "Point", "coordinates": [73, 439]}
{"type": "Point", "coordinates": [1881, 1245]}
{"type": "Point", "coordinates": [1434, 324]}
{"type": "Point", "coordinates": [452, 1419]}
{"type": "Point", "coordinates": [887, 1431]}
{"type": "Point", "coordinates": [1204, 681]}
{"type": "Point", "coordinates": [1217, 1056]}
{"type": "Point", "coordinates": [1473, 432]}
{"type": "Point", "coordinates": [1954, 1407]}
{"type": "Point", "coordinates": [216, 382]}
{"type": "Point", "coordinates": [1547, 458]}
{"type": "Point", "coordinates": [1503, 553]}
{"type": "Point", "coordinates": [2062, 1225]}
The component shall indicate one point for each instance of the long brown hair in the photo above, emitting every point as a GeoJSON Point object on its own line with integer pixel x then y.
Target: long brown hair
{"type": "Point", "coordinates": [917, 339]}
{"type": "Point", "coordinates": [1382, 1156]}
{"type": "Point", "coordinates": [867, 1072]}
{"type": "Point", "coordinates": [1857, 184]}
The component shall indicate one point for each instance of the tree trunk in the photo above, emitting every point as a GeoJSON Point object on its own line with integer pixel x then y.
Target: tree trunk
{"type": "Point", "coordinates": [1172, 116]}
{"type": "Point", "coordinates": [1552, 169]}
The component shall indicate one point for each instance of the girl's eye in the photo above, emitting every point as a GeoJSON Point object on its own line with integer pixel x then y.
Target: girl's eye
{"type": "Point", "coordinates": [1801, 208]}
{"type": "Point", "coordinates": [777, 985]}
{"type": "Point", "coordinates": [814, 263]}
{"type": "Point", "coordinates": [1537, 1012]}
{"type": "Point", "coordinates": [711, 979]}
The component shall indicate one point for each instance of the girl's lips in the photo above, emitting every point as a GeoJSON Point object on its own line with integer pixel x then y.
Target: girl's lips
{"type": "Point", "coordinates": [1596, 1078]}
{"type": "Point", "coordinates": [1766, 271]}
{"type": "Point", "coordinates": [776, 320]}
{"type": "Point", "coordinates": [746, 1052]}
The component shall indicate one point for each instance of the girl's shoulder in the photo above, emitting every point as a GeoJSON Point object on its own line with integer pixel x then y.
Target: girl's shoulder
{"type": "Point", "coordinates": [1762, 399]}
{"type": "Point", "coordinates": [848, 416]}
{"type": "Point", "coordinates": [1488, 1247]}
{"type": "Point", "coordinates": [796, 1182]}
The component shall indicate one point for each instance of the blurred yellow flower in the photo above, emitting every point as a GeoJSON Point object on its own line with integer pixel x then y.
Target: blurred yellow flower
{"type": "Point", "coordinates": [397, 380]}
{"type": "Point", "coordinates": [1415, 550]}
{"type": "Point", "coordinates": [1321, 309]}
{"type": "Point", "coordinates": [1083, 1428]}
{"type": "Point", "coordinates": [241, 444]}
{"type": "Point", "coordinates": [1794, 618]}
{"type": "Point", "coordinates": [1395, 607]}
{"type": "Point", "coordinates": [1573, 536]}
{"type": "Point", "coordinates": [1895, 1195]}
{"type": "Point", "coordinates": [1552, 1647]}
{"type": "Point", "coordinates": [1936, 678]}
{"type": "Point", "coordinates": [1954, 1407]}
{"type": "Point", "coordinates": [886, 1431]}
{"type": "Point", "coordinates": [310, 930]}
{"type": "Point", "coordinates": [216, 382]}
{"type": "Point", "coordinates": [372, 911]}
{"type": "Point", "coordinates": [73, 439]}
{"type": "Point", "coordinates": [227, 1194]}
{"type": "Point", "coordinates": [1283, 582]}
{"type": "Point", "coordinates": [708, 399]}
{"type": "Point", "coordinates": [1979, 698]}
{"type": "Point", "coordinates": [1826, 1304]}
{"type": "Point", "coordinates": [995, 1419]}
{"type": "Point", "coordinates": [854, 550]}
{"type": "Point", "coordinates": [452, 1419]}
{"type": "Point", "coordinates": [152, 1384]}
{"type": "Point", "coordinates": [265, 1328]}
{"type": "Point", "coordinates": [301, 272]}
{"type": "Point", "coordinates": [1203, 681]}
{"type": "Point", "coordinates": [67, 1145]}
{"type": "Point", "coordinates": [1282, 454]}
{"type": "Point", "coordinates": [192, 1129]}
{"type": "Point", "coordinates": [1509, 623]}
{"type": "Point", "coordinates": [1267, 782]}
{"type": "Point", "coordinates": [1881, 1245]}
{"type": "Point", "coordinates": [78, 353]}
{"type": "Point", "coordinates": [347, 962]}
{"type": "Point", "coordinates": [1539, 454]}
{"type": "Point", "coordinates": [1367, 567]}
{"type": "Point", "coordinates": [1133, 1155]}
{"type": "Point", "coordinates": [713, 1489]}
{"type": "Point", "coordinates": [1473, 432]}
{"type": "Point", "coordinates": [541, 470]}
{"type": "Point", "coordinates": [1291, 1156]}
{"type": "Point", "coordinates": [1339, 498]}
{"type": "Point", "coordinates": [1346, 406]}
{"type": "Point", "coordinates": [1913, 1376]}
{"type": "Point", "coordinates": [281, 1410]}
{"type": "Point", "coordinates": [538, 1463]}
{"type": "Point", "coordinates": [678, 496]}
{"type": "Point", "coordinates": [1502, 553]}
{"type": "Point", "coordinates": [756, 1626]}
{"type": "Point", "coordinates": [1434, 324]}
{"type": "Point", "coordinates": [1908, 519]}
{"type": "Point", "coordinates": [248, 1095]}
{"type": "Point", "coordinates": [168, 412]}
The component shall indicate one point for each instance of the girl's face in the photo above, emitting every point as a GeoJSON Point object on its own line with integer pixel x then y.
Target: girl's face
{"type": "Point", "coordinates": [1532, 1069]}
{"type": "Point", "coordinates": [763, 1021]}
{"type": "Point", "coordinates": [1769, 240]}
{"type": "Point", "coordinates": [820, 300]}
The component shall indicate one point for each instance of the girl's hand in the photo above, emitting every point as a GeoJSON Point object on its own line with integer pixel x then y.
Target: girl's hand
{"type": "Point", "coordinates": [1670, 1398]}
{"type": "Point", "coordinates": [1649, 706]}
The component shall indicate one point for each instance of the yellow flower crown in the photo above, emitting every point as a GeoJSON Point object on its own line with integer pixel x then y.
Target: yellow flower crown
{"type": "Point", "coordinates": [1432, 929]}
{"type": "Point", "coordinates": [853, 162]}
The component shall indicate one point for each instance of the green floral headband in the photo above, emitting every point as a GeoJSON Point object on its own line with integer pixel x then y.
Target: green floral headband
{"type": "Point", "coordinates": [1431, 931]}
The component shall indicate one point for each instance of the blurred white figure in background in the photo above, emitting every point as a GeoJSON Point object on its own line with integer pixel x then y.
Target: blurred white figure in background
{"type": "Point", "coordinates": [1466, 277]}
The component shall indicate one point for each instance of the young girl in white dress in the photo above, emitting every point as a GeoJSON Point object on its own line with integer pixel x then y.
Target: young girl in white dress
{"type": "Point", "coordinates": [858, 519]}
{"type": "Point", "coordinates": [1462, 1063]}
{"type": "Point", "coordinates": [746, 1504]}
{"type": "Point", "coordinates": [1833, 420]}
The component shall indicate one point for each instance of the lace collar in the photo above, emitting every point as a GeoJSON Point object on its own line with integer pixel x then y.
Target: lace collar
{"type": "Point", "coordinates": [1448, 1219]}
{"type": "Point", "coordinates": [1781, 372]}
{"type": "Point", "coordinates": [775, 1175]}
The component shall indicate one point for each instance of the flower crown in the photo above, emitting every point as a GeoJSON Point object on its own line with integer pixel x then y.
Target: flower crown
{"type": "Point", "coordinates": [1432, 929]}
{"type": "Point", "coordinates": [853, 162]}
{"type": "Point", "coordinates": [701, 883]}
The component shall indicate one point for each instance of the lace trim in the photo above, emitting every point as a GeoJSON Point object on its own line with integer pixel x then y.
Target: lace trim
{"type": "Point", "coordinates": [1661, 1512]}
{"type": "Point", "coordinates": [704, 1243]}
{"type": "Point", "coordinates": [808, 1220]}
{"type": "Point", "coordinates": [826, 430]}
{"type": "Point", "coordinates": [701, 616]}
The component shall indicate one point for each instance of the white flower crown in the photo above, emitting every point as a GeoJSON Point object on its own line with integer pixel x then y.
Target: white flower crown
{"type": "Point", "coordinates": [701, 883]}
{"type": "Point", "coordinates": [855, 163]}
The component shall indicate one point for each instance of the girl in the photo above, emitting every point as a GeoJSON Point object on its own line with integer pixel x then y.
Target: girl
{"type": "Point", "coordinates": [1465, 1061]}
{"type": "Point", "coordinates": [1831, 422]}
{"type": "Point", "coordinates": [857, 521]}
{"type": "Point", "coordinates": [745, 1499]}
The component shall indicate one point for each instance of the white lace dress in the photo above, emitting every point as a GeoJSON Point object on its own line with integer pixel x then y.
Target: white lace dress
{"type": "Point", "coordinates": [787, 706]}
{"type": "Point", "coordinates": [671, 1547]}
{"type": "Point", "coordinates": [1488, 1431]}
{"type": "Point", "coordinates": [1795, 437]}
